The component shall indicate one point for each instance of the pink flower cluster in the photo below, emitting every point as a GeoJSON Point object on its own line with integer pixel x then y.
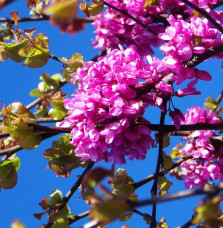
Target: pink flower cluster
{"type": "Point", "coordinates": [185, 38]}
{"type": "Point", "coordinates": [114, 28]}
{"type": "Point", "coordinates": [103, 110]}
{"type": "Point", "coordinates": [207, 161]}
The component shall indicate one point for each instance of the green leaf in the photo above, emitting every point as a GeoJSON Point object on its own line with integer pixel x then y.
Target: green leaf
{"type": "Point", "coordinates": [175, 153]}
{"type": "Point", "coordinates": [57, 114]}
{"type": "Point", "coordinates": [56, 198]}
{"type": "Point", "coordinates": [166, 141]}
{"type": "Point", "coordinates": [62, 9]}
{"type": "Point", "coordinates": [8, 173]}
{"type": "Point", "coordinates": [62, 158]}
{"type": "Point", "coordinates": [31, 141]}
{"type": "Point", "coordinates": [3, 54]}
{"type": "Point", "coordinates": [71, 68]}
{"type": "Point", "coordinates": [164, 185]}
{"type": "Point", "coordinates": [63, 213]}
{"type": "Point", "coordinates": [36, 57]}
{"type": "Point", "coordinates": [167, 161]}
{"type": "Point", "coordinates": [20, 131]}
{"type": "Point", "coordinates": [125, 191]}
{"type": "Point", "coordinates": [41, 41]}
{"type": "Point", "coordinates": [95, 9]}
{"type": "Point", "coordinates": [35, 93]}
{"type": "Point", "coordinates": [13, 50]}
{"type": "Point", "coordinates": [61, 223]}
{"type": "Point", "coordinates": [42, 111]}
{"type": "Point", "coordinates": [108, 210]}
{"type": "Point", "coordinates": [211, 100]}
{"type": "Point", "coordinates": [57, 77]}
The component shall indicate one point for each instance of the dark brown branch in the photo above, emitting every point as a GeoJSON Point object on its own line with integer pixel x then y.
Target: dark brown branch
{"type": "Point", "coordinates": [40, 18]}
{"type": "Point", "coordinates": [187, 224]}
{"type": "Point", "coordinates": [189, 127]}
{"type": "Point", "coordinates": [133, 18]}
{"type": "Point", "coordinates": [159, 162]}
{"type": "Point", "coordinates": [25, 19]}
{"type": "Point", "coordinates": [12, 150]}
{"type": "Point", "coordinates": [179, 195]}
{"type": "Point", "coordinates": [205, 14]}
{"type": "Point", "coordinates": [78, 217]}
{"type": "Point", "coordinates": [73, 190]}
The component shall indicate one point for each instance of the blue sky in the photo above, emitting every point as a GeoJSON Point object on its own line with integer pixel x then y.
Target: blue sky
{"type": "Point", "coordinates": [36, 181]}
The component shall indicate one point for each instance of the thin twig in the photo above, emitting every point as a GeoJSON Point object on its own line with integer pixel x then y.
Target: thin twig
{"type": "Point", "coordinates": [162, 172]}
{"type": "Point", "coordinates": [179, 195]}
{"type": "Point", "coordinates": [133, 18]}
{"type": "Point", "coordinates": [65, 62]}
{"type": "Point", "coordinates": [78, 217]}
{"type": "Point", "coordinates": [159, 162]}
{"type": "Point", "coordinates": [67, 197]}
{"type": "Point", "coordinates": [205, 14]}
{"type": "Point", "coordinates": [187, 224]}
{"type": "Point", "coordinates": [42, 17]}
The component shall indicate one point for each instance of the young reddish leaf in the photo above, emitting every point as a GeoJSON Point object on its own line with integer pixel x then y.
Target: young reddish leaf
{"type": "Point", "coordinates": [39, 215]}
{"type": "Point", "coordinates": [17, 224]}
{"type": "Point", "coordinates": [4, 110]}
{"type": "Point", "coordinates": [96, 175]}
{"type": "Point", "coordinates": [30, 3]}
{"type": "Point", "coordinates": [108, 210]}
{"type": "Point", "coordinates": [124, 217]}
{"type": "Point", "coordinates": [18, 109]}
{"type": "Point", "coordinates": [15, 17]}
{"type": "Point", "coordinates": [43, 203]}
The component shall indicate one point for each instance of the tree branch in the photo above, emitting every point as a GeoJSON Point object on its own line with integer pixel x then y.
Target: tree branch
{"type": "Point", "coordinates": [67, 197]}
{"type": "Point", "coordinates": [78, 217]}
{"type": "Point", "coordinates": [205, 14]}
{"type": "Point", "coordinates": [159, 162]}
{"type": "Point", "coordinates": [179, 195]}
{"type": "Point", "coordinates": [162, 172]}
{"type": "Point", "coordinates": [42, 17]}
{"type": "Point", "coordinates": [133, 18]}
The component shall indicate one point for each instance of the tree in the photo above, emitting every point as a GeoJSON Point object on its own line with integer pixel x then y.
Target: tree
{"type": "Point", "coordinates": [106, 121]}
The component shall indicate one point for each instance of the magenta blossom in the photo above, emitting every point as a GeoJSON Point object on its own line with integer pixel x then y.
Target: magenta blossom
{"type": "Point", "coordinates": [207, 160]}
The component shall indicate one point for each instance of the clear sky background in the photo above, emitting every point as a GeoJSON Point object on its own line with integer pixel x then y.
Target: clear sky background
{"type": "Point", "coordinates": [35, 181]}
